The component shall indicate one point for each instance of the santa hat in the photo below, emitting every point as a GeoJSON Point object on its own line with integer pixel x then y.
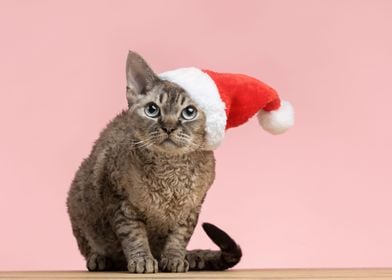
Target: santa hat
{"type": "Point", "coordinates": [229, 100]}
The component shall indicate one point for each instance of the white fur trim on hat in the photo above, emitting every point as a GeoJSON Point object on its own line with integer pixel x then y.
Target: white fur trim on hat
{"type": "Point", "coordinates": [277, 121]}
{"type": "Point", "coordinates": [203, 91]}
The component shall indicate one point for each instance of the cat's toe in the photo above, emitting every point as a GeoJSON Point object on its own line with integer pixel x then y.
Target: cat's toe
{"type": "Point", "coordinates": [145, 264]}
{"type": "Point", "coordinates": [97, 262]}
{"type": "Point", "coordinates": [173, 265]}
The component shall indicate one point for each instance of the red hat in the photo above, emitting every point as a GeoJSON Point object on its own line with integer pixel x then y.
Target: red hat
{"type": "Point", "coordinates": [229, 100]}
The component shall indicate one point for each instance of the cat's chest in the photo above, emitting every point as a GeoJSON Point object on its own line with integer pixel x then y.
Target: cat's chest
{"type": "Point", "coordinates": [172, 189]}
{"type": "Point", "coordinates": [168, 191]}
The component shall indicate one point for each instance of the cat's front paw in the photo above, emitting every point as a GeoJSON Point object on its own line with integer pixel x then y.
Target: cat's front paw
{"type": "Point", "coordinates": [97, 262]}
{"type": "Point", "coordinates": [145, 264]}
{"type": "Point", "coordinates": [173, 264]}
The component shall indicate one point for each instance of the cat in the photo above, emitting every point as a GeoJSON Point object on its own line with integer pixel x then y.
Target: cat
{"type": "Point", "coordinates": [135, 201]}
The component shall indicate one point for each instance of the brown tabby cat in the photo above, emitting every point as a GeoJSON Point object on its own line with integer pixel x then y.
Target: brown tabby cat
{"type": "Point", "coordinates": [135, 201]}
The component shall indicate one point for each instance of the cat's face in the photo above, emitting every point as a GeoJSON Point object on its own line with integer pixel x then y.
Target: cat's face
{"type": "Point", "coordinates": [166, 119]}
{"type": "Point", "coordinates": [162, 115]}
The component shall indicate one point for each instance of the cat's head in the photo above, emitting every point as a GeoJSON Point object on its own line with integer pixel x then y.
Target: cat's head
{"type": "Point", "coordinates": [163, 116]}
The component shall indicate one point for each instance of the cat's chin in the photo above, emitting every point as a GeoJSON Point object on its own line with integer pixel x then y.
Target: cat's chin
{"type": "Point", "coordinates": [169, 147]}
{"type": "Point", "coordinates": [168, 144]}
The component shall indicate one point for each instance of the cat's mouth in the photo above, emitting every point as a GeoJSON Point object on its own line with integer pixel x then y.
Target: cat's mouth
{"type": "Point", "coordinates": [168, 142]}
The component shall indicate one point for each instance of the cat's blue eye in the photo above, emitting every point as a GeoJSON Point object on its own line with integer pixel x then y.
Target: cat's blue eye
{"type": "Point", "coordinates": [189, 113]}
{"type": "Point", "coordinates": [152, 110]}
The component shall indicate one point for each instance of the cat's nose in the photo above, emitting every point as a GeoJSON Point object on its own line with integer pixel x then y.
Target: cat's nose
{"type": "Point", "coordinates": [168, 128]}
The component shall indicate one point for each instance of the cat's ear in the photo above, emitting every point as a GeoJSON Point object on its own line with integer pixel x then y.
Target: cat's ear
{"type": "Point", "coordinates": [140, 76]}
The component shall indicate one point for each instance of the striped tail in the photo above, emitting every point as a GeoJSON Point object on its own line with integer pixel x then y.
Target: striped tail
{"type": "Point", "coordinates": [229, 255]}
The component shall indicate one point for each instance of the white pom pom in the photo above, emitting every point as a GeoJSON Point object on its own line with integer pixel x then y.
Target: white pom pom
{"type": "Point", "coordinates": [277, 121]}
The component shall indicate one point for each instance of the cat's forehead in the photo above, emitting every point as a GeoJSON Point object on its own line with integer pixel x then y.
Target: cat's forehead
{"type": "Point", "coordinates": [170, 93]}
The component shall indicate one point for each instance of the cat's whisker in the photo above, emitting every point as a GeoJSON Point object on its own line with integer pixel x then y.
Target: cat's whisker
{"type": "Point", "coordinates": [143, 144]}
{"type": "Point", "coordinates": [188, 141]}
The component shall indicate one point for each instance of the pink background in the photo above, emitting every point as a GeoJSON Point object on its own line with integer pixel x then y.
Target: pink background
{"type": "Point", "coordinates": [318, 196]}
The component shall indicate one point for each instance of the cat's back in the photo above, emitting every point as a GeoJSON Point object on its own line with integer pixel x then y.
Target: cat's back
{"type": "Point", "coordinates": [90, 176]}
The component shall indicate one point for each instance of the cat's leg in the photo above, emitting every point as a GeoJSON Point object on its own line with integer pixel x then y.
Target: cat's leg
{"type": "Point", "coordinates": [132, 234]}
{"type": "Point", "coordinates": [81, 240]}
{"type": "Point", "coordinates": [174, 252]}
{"type": "Point", "coordinates": [94, 261]}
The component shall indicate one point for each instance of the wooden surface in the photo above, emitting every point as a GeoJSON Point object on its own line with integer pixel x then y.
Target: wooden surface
{"type": "Point", "coordinates": [270, 274]}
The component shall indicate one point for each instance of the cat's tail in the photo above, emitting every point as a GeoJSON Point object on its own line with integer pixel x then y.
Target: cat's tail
{"type": "Point", "coordinates": [229, 255]}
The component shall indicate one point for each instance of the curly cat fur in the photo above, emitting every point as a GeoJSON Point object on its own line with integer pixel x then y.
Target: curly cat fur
{"type": "Point", "coordinates": [135, 201]}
